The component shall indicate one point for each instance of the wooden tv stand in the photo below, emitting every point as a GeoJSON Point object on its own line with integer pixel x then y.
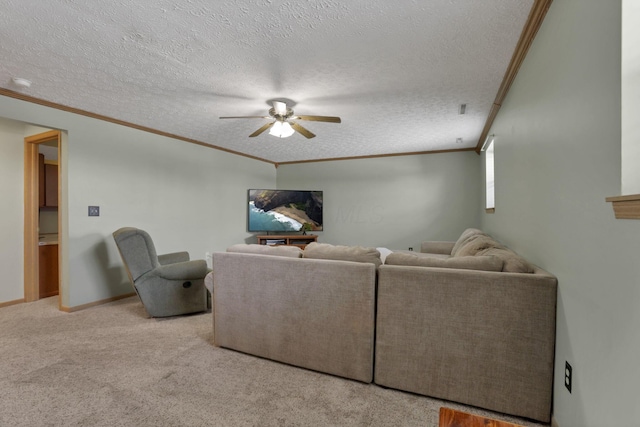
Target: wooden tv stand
{"type": "Point", "coordinates": [298, 240]}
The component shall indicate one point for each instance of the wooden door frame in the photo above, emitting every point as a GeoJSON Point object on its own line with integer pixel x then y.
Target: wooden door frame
{"type": "Point", "coordinates": [31, 213]}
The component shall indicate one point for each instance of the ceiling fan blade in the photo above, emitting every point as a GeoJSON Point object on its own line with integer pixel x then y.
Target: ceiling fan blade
{"type": "Point", "coordinates": [246, 117]}
{"type": "Point", "coordinates": [280, 108]}
{"type": "Point", "coordinates": [262, 129]}
{"type": "Point", "coordinates": [301, 130]}
{"type": "Point", "coordinates": [329, 119]}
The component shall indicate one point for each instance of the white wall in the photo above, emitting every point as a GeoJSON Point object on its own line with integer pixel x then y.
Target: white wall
{"type": "Point", "coordinates": [557, 158]}
{"type": "Point", "coordinates": [11, 210]}
{"type": "Point", "coordinates": [188, 197]}
{"type": "Point", "coordinates": [393, 202]}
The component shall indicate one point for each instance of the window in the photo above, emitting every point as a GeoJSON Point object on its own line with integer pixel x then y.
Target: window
{"type": "Point", "coordinates": [630, 96]}
{"type": "Point", "coordinates": [489, 175]}
{"type": "Point", "coordinates": [627, 206]}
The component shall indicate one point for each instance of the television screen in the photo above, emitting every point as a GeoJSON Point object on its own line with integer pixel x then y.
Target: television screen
{"type": "Point", "coordinates": [284, 210]}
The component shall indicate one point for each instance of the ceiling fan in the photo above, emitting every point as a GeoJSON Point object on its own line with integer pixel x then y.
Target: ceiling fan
{"type": "Point", "coordinates": [283, 125]}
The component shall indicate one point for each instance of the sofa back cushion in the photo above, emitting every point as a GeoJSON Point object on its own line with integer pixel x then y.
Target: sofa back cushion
{"type": "Point", "coordinates": [513, 263]}
{"type": "Point", "coordinates": [436, 247]}
{"type": "Point", "coordinates": [483, 245]}
{"type": "Point", "coordinates": [485, 263]}
{"type": "Point", "coordinates": [469, 232]}
{"type": "Point", "coordinates": [475, 244]}
{"type": "Point", "coordinates": [342, 253]}
{"type": "Point", "coordinates": [286, 251]}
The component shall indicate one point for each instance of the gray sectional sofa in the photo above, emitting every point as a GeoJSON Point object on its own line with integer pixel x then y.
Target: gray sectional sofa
{"type": "Point", "coordinates": [467, 321]}
{"type": "Point", "coordinates": [313, 313]}
{"type": "Point", "coordinates": [475, 325]}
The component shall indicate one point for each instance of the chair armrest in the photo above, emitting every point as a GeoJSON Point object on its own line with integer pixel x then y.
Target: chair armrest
{"type": "Point", "coordinates": [434, 247]}
{"type": "Point", "coordinates": [188, 270]}
{"type": "Point", "coordinates": [173, 257]}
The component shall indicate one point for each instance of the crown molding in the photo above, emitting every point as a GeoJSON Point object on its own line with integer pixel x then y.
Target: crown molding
{"type": "Point", "coordinates": [531, 27]}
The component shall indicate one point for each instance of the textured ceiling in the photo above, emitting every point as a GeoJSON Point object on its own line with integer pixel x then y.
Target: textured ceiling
{"type": "Point", "coordinates": [394, 71]}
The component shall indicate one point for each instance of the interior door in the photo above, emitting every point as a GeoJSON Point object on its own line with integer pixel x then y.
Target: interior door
{"type": "Point", "coordinates": [31, 211]}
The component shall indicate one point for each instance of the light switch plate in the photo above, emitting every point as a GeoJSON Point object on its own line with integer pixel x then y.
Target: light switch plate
{"type": "Point", "coordinates": [94, 210]}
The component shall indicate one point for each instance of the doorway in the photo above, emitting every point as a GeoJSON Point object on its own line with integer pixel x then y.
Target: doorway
{"type": "Point", "coordinates": [35, 201]}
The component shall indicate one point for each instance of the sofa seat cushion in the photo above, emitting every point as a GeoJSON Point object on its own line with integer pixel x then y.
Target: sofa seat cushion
{"type": "Point", "coordinates": [485, 263]}
{"type": "Point", "coordinates": [466, 234]}
{"type": "Point", "coordinates": [286, 251]}
{"type": "Point", "coordinates": [513, 263]}
{"type": "Point", "coordinates": [342, 253]}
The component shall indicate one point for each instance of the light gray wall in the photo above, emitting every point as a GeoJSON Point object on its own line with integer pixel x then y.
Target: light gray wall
{"type": "Point", "coordinates": [557, 159]}
{"type": "Point", "coordinates": [393, 202]}
{"type": "Point", "coordinates": [12, 134]}
{"type": "Point", "coordinates": [11, 210]}
{"type": "Point", "coordinates": [188, 197]}
{"type": "Point", "coordinates": [194, 198]}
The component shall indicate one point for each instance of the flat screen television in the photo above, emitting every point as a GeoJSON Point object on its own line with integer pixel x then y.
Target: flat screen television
{"type": "Point", "coordinates": [283, 211]}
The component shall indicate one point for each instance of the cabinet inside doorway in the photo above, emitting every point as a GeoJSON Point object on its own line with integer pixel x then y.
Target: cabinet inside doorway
{"type": "Point", "coordinates": [48, 259]}
{"type": "Point", "coordinates": [47, 183]}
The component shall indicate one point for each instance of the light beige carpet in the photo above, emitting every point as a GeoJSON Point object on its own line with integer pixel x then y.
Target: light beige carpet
{"type": "Point", "coordinates": [113, 366]}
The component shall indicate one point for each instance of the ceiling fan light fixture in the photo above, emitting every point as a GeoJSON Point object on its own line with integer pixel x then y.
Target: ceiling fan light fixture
{"type": "Point", "coordinates": [281, 129]}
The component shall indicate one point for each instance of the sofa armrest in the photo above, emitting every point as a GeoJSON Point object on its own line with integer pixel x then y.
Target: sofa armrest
{"type": "Point", "coordinates": [173, 257]}
{"type": "Point", "coordinates": [435, 247]}
{"type": "Point", "coordinates": [208, 281]}
{"type": "Point", "coordinates": [476, 337]}
{"type": "Point", "coordinates": [188, 270]}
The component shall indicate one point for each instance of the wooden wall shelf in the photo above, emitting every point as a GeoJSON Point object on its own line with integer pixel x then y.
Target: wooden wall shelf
{"type": "Point", "coordinates": [626, 207]}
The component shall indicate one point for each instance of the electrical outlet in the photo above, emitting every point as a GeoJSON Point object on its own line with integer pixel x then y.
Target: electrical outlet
{"type": "Point", "coordinates": [568, 375]}
{"type": "Point", "coordinates": [94, 210]}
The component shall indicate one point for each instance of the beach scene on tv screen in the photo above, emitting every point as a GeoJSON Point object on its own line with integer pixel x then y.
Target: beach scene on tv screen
{"type": "Point", "coordinates": [285, 210]}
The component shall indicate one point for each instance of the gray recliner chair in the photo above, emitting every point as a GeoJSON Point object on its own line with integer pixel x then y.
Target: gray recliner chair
{"type": "Point", "coordinates": [168, 285]}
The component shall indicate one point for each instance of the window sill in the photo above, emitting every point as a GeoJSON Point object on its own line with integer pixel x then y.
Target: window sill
{"type": "Point", "coordinates": [626, 207]}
